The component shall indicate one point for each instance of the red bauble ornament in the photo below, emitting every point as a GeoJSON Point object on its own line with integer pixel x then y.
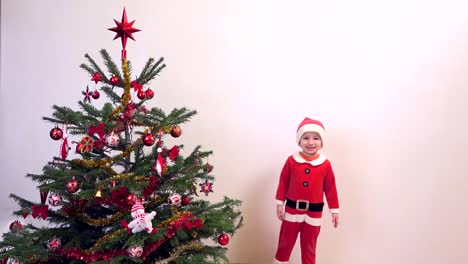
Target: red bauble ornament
{"type": "Point", "coordinates": [16, 226]}
{"type": "Point", "coordinates": [56, 133]}
{"type": "Point", "coordinates": [96, 95]}
{"type": "Point", "coordinates": [72, 186]}
{"type": "Point", "coordinates": [185, 200]}
{"type": "Point", "coordinates": [131, 198]}
{"type": "Point", "coordinates": [141, 94]}
{"type": "Point", "coordinates": [149, 93]}
{"type": "Point", "coordinates": [176, 131]}
{"type": "Point", "coordinates": [223, 239]}
{"type": "Point", "coordinates": [208, 168]}
{"type": "Point", "coordinates": [54, 244]}
{"type": "Point", "coordinates": [114, 80]}
{"type": "Point", "coordinates": [148, 139]}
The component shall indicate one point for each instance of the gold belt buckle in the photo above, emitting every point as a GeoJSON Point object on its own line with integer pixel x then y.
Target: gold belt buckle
{"type": "Point", "coordinates": [302, 201]}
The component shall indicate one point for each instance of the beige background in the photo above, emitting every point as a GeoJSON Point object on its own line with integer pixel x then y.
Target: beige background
{"type": "Point", "coordinates": [388, 79]}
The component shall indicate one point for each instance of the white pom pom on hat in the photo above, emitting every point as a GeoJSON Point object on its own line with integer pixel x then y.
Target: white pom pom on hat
{"type": "Point", "coordinates": [310, 125]}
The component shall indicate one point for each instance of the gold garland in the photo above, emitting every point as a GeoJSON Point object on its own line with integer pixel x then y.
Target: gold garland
{"type": "Point", "coordinates": [100, 222]}
{"type": "Point", "coordinates": [172, 219]}
{"type": "Point", "coordinates": [106, 238]}
{"type": "Point", "coordinates": [103, 163]}
{"type": "Point", "coordinates": [193, 245]}
{"type": "Point", "coordinates": [126, 94]}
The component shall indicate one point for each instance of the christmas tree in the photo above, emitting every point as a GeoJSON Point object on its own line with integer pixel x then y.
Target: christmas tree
{"type": "Point", "coordinates": [116, 193]}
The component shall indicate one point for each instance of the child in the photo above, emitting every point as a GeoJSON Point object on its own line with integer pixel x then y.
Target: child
{"type": "Point", "coordinates": [305, 177]}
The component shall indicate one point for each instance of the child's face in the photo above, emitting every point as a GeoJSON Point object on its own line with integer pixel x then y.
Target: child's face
{"type": "Point", "coordinates": [310, 143]}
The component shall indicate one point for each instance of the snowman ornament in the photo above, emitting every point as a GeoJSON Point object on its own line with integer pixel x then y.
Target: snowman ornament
{"type": "Point", "coordinates": [141, 220]}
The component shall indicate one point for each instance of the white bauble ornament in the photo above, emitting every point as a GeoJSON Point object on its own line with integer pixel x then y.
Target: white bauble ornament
{"type": "Point", "coordinates": [13, 261]}
{"type": "Point", "coordinates": [135, 251]}
{"type": "Point", "coordinates": [54, 199]}
{"type": "Point", "coordinates": [113, 139]}
{"type": "Point", "coordinates": [174, 199]}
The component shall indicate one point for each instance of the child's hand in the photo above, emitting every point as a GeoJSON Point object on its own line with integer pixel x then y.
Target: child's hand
{"type": "Point", "coordinates": [335, 220]}
{"type": "Point", "coordinates": [280, 212]}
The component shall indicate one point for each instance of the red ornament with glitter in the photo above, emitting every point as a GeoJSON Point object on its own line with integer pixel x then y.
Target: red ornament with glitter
{"type": "Point", "coordinates": [96, 95]}
{"type": "Point", "coordinates": [149, 93]}
{"type": "Point", "coordinates": [148, 139]}
{"type": "Point", "coordinates": [16, 226]}
{"type": "Point", "coordinates": [185, 200]}
{"type": "Point", "coordinates": [131, 198]}
{"type": "Point", "coordinates": [208, 168]}
{"type": "Point", "coordinates": [114, 80]}
{"type": "Point", "coordinates": [54, 244]}
{"type": "Point", "coordinates": [223, 239]}
{"type": "Point", "coordinates": [56, 133]}
{"type": "Point", "coordinates": [176, 131]}
{"type": "Point", "coordinates": [141, 94]}
{"type": "Point", "coordinates": [72, 185]}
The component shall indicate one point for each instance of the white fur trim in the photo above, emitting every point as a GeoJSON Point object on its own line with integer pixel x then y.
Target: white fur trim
{"type": "Point", "coordinates": [299, 218]}
{"type": "Point", "coordinates": [280, 262]}
{"type": "Point", "coordinates": [321, 159]}
{"type": "Point", "coordinates": [334, 210]}
{"type": "Point", "coordinates": [310, 128]}
{"type": "Point", "coordinates": [278, 202]}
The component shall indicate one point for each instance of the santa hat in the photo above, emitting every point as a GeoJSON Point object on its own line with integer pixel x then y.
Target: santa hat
{"type": "Point", "coordinates": [310, 125]}
{"type": "Point", "coordinates": [137, 206]}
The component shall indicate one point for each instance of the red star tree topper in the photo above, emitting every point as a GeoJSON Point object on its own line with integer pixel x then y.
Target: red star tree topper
{"type": "Point", "coordinates": [124, 30]}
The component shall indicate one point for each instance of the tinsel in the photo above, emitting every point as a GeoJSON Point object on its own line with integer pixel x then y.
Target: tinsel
{"type": "Point", "coordinates": [106, 238]}
{"type": "Point", "coordinates": [179, 221]}
{"type": "Point", "coordinates": [126, 94]}
{"type": "Point", "coordinates": [193, 245]}
{"type": "Point", "coordinates": [103, 164]}
{"type": "Point", "coordinates": [100, 222]}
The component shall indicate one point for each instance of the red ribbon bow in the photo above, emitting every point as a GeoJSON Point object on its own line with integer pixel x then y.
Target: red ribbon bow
{"type": "Point", "coordinates": [99, 129]}
{"type": "Point", "coordinates": [40, 210]}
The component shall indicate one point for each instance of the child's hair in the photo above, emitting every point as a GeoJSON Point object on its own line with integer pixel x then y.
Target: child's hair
{"type": "Point", "coordinates": [310, 125]}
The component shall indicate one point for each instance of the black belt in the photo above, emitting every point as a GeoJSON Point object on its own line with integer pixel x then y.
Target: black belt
{"type": "Point", "coordinates": [303, 205]}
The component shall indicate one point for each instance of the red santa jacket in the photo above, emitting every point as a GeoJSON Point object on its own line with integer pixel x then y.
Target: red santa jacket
{"type": "Point", "coordinates": [307, 182]}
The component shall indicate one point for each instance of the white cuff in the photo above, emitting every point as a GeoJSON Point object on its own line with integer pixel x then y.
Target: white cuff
{"type": "Point", "coordinates": [334, 210]}
{"type": "Point", "coordinates": [278, 202]}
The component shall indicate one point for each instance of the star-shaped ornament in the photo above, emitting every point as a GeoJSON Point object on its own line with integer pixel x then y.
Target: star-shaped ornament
{"type": "Point", "coordinates": [124, 29]}
{"type": "Point", "coordinates": [96, 77]}
{"type": "Point", "coordinates": [87, 95]}
{"type": "Point", "coordinates": [206, 187]}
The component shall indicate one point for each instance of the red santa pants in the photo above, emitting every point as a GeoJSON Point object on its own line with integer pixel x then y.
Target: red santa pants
{"type": "Point", "coordinates": [287, 239]}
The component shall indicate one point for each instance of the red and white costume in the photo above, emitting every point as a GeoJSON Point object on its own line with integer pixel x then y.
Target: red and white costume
{"type": "Point", "coordinates": [301, 188]}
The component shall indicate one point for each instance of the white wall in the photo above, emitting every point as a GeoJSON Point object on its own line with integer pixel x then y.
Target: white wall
{"type": "Point", "coordinates": [388, 79]}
